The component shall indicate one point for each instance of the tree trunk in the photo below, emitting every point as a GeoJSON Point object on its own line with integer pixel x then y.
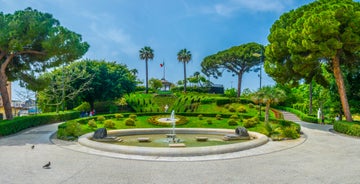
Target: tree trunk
{"type": "Point", "coordinates": [267, 109]}
{"type": "Point", "coordinates": [341, 88]}
{"type": "Point", "coordinates": [185, 77]}
{"type": "Point", "coordinates": [239, 84]}
{"type": "Point", "coordinates": [5, 96]}
{"type": "Point", "coordinates": [310, 97]}
{"type": "Point", "coordinates": [146, 83]}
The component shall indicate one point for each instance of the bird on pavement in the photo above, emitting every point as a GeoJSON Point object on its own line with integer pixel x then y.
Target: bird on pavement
{"type": "Point", "coordinates": [33, 146]}
{"type": "Point", "coordinates": [47, 166]}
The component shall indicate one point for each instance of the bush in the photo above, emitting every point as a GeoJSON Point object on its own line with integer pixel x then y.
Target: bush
{"type": "Point", "coordinates": [251, 105]}
{"type": "Point", "coordinates": [100, 119]}
{"type": "Point", "coordinates": [218, 116]}
{"type": "Point", "coordinates": [92, 124]}
{"type": "Point", "coordinates": [232, 122]}
{"type": "Point", "coordinates": [119, 116]}
{"type": "Point", "coordinates": [241, 109]}
{"type": "Point", "coordinates": [232, 109]}
{"type": "Point", "coordinates": [209, 122]}
{"type": "Point", "coordinates": [71, 131]}
{"type": "Point", "coordinates": [17, 124]}
{"type": "Point", "coordinates": [200, 116]}
{"type": "Point", "coordinates": [133, 117]}
{"type": "Point", "coordinates": [251, 122]}
{"type": "Point", "coordinates": [234, 116]}
{"type": "Point", "coordinates": [291, 132]}
{"type": "Point", "coordinates": [349, 128]}
{"type": "Point", "coordinates": [222, 101]}
{"type": "Point", "coordinates": [130, 122]}
{"type": "Point", "coordinates": [109, 124]}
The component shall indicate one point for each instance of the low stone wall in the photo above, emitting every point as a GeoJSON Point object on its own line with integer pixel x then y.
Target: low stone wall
{"type": "Point", "coordinates": [258, 140]}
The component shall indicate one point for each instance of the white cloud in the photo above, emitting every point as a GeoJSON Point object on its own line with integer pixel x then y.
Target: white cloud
{"type": "Point", "coordinates": [231, 6]}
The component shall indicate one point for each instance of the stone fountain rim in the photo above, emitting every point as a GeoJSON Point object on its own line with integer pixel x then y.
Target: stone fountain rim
{"type": "Point", "coordinates": [259, 139]}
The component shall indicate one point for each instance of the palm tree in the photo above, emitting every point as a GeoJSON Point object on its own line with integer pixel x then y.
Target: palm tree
{"type": "Point", "coordinates": [146, 53]}
{"type": "Point", "coordinates": [269, 95]}
{"type": "Point", "coordinates": [184, 56]}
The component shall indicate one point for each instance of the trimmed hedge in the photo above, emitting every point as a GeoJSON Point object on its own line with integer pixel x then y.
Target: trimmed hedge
{"type": "Point", "coordinates": [298, 113]}
{"type": "Point", "coordinates": [349, 128]}
{"type": "Point", "coordinates": [8, 127]}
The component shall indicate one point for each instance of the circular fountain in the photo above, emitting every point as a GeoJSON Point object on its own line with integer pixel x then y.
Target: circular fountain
{"type": "Point", "coordinates": [175, 145]}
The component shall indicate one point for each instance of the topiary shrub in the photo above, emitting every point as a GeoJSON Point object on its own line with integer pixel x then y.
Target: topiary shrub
{"type": "Point", "coordinates": [234, 116]}
{"type": "Point", "coordinates": [133, 116]}
{"type": "Point", "coordinates": [226, 106]}
{"type": "Point", "coordinates": [241, 109]}
{"type": "Point", "coordinates": [232, 109]}
{"type": "Point", "coordinates": [232, 122]}
{"type": "Point", "coordinates": [209, 122]}
{"type": "Point", "coordinates": [130, 122]}
{"type": "Point", "coordinates": [218, 116]}
{"type": "Point", "coordinates": [201, 117]}
{"type": "Point", "coordinates": [118, 116]}
{"type": "Point", "coordinates": [109, 124]}
{"type": "Point", "coordinates": [251, 122]}
{"type": "Point", "coordinates": [101, 119]}
{"type": "Point", "coordinates": [92, 124]}
{"type": "Point", "coordinates": [251, 105]}
{"type": "Point", "coordinates": [71, 131]}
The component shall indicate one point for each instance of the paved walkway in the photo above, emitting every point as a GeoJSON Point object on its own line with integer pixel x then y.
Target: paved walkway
{"type": "Point", "coordinates": [323, 157]}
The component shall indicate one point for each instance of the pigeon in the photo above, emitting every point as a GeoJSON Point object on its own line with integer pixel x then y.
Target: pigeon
{"type": "Point", "coordinates": [47, 166]}
{"type": "Point", "coordinates": [33, 146]}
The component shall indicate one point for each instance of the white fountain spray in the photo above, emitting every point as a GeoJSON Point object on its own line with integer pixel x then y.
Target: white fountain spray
{"type": "Point", "coordinates": [173, 121]}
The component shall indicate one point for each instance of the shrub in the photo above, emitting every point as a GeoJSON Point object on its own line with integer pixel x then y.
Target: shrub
{"type": "Point", "coordinates": [232, 122]}
{"type": "Point", "coordinates": [218, 116]}
{"type": "Point", "coordinates": [251, 105]}
{"type": "Point", "coordinates": [226, 106]}
{"type": "Point", "coordinates": [201, 117]}
{"type": "Point", "coordinates": [222, 101]}
{"type": "Point", "coordinates": [92, 123]}
{"type": "Point", "coordinates": [130, 122]}
{"type": "Point", "coordinates": [241, 109]}
{"type": "Point", "coordinates": [347, 128]}
{"type": "Point", "coordinates": [209, 122]}
{"type": "Point", "coordinates": [251, 122]}
{"type": "Point", "coordinates": [100, 118]}
{"type": "Point", "coordinates": [119, 116]}
{"type": "Point", "coordinates": [133, 116]}
{"type": "Point", "coordinates": [71, 131]}
{"type": "Point", "coordinates": [232, 109]}
{"type": "Point", "coordinates": [109, 124]}
{"type": "Point", "coordinates": [234, 116]}
{"type": "Point", "coordinates": [291, 132]}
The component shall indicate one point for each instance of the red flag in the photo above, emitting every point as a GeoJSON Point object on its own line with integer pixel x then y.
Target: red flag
{"type": "Point", "coordinates": [162, 64]}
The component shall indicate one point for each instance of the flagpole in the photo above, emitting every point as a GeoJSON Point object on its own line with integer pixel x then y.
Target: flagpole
{"type": "Point", "coordinates": [164, 68]}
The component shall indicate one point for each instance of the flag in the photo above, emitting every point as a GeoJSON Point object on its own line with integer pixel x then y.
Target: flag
{"type": "Point", "coordinates": [162, 64]}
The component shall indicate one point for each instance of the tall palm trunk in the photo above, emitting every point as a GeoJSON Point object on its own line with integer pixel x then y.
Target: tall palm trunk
{"type": "Point", "coordinates": [341, 87]}
{"type": "Point", "coordinates": [146, 72]}
{"type": "Point", "coordinates": [184, 76]}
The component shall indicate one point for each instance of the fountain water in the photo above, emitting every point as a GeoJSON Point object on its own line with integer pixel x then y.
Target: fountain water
{"type": "Point", "coordinates": [173, 121]}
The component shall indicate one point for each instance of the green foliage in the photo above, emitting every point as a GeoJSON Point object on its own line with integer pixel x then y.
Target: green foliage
{"type": "Point", "coordinates": [218, 116]}
{"type": "Point", "coordinates": [232, 109]}
{"type": "Point", "coordinates": [201, 117]}
{"type": "Point", "coordinates": [109, 124]}
{"type": "Point", "coordinates": [234, 116]}
{"type": "Point", "coordinates": [291, 132]}
{"type": "Point", "coordinates": [349, 128]}
{"type": "Point", "coordinates": [241, 109]}
{"type": "Point", "coordinates": [130, 122]}
{"type": "Point", "coordinates": [133, 116]}
{"type": "Point", "coordinates": [232, 122]}
{"type": "Point", "coordinates": [101, 119]}
{"type": "Point", "coordinates": [251, 122]}
{"type": "Point", "coordinates": [180, 120]}
{"type": "Point", "coordinates": [209, 121]}
{"type": "Point", "coordinates": [85, 106]}
{"type": "Point", "coordinates": [222, 101]}
{"type": "Point", "coordinates": [71, 131]}
{"type": "Point", "coordinates": [92, 124]}
{"type": "Point", "coordinates": [17, 124]}
{"type": "Point", "coordinates": [119, 116]}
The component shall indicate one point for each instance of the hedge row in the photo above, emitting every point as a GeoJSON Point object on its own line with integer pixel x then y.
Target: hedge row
{"type": "Point", "coordinates": [349, 128]}
{"type": "Point", "coordinates": [298, 113]}
{"type": "Point", "coordinates": [8, 127]}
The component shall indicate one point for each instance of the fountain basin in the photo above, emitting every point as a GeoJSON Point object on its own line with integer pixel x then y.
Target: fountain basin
{"type": "Point", "coordinates": [257, 140]}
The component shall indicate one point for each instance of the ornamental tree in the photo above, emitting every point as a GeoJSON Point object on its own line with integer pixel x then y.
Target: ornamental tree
{"type": "Point", "coordinates": [322, 32]}
{"type": "Point", "coordinates": [30, 43]}
{"type": "Point", "coordinates": [238, 60]}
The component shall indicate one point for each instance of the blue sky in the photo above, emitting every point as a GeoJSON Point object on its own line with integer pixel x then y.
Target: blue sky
{"type": "Point", "coordinates": [117, 29]}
